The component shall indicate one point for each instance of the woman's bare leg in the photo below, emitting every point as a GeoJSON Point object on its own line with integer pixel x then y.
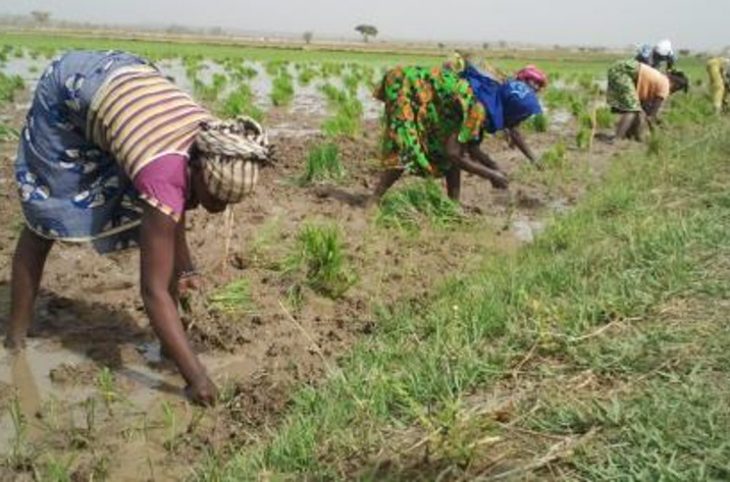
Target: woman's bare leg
{"type": "Point", "coordinates": [636, 131]}
{"type": "Point", "coordinates": [498, 179]}
{"type": "Point", "coordinates": [30, 257]}
{"type": "Point", "coordinates": [453, 183]}
{"type": "Point", "coordinates": [386, 181]}
{"type": "Point", "coordinates": [625, 123]}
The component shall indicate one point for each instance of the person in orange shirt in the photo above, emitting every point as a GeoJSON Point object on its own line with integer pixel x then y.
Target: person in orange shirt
{"type": "Point", "coordinates": [637, 91]}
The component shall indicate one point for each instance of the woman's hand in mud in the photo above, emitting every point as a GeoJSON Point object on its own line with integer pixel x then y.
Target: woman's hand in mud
{"type": "Point", "coordinates": [499, 181]}
{"type": "Point", "coordinates": [202, 391]}
{"type": "Point", "coordinates": [189, 283]}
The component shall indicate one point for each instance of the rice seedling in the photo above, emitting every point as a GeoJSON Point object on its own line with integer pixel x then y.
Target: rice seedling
{"type": "Point", "coordinates": [9, 86]}
{"type": "Point", "coordinates": [233, 298]}
{"type": "Point", "coordinates": [169, 418]}
{"type": "Point", "coordinates": [538, 123]}
{"type": "Point", "coordinates": [57, 470]}
{"type": "Point", "coordinates": [420, 201]}
{"type": "Point", "coordinates": [351, 83]}
{"type": "Point", "coordinates": [306, 76]}
{"type": "Point", "coordinates": [604, 118]}
{"type": "Point", "coordinates": [8, 133]}
{"type": "Point", "coordinates": [106, 385]}
{"type": "Point", "coordinates": [209, 93]}
{"type": "Point", "coordinates": [20, 457]}
{"type": "Point", "coordinates": [193, 65]}
{"type": "Point", "coordinates": [323, 164]}
{"type": "Point", "coordinates": [555, 97]}
{"type": "Point", "coordinates": [89, 406]}
{"type": "Point", "coordinates": [295, 297]}
{"type": "Point", "coordinates": [347, 112]}
{"type": "Point", "coordinates": [240, 72]}
{"type": "Point", "coordinates": [584, 136]}
{"type": "Point", "coordinates": [556, 157]}
{"type": "Point", "coordinates": [241, 102]}
{"type": "Point", "coordinates": [331, 69]}
{"type": "Point", "coordinates": [282, 90]}
{"type": "Point", "coordinates": [320, 253]}
{"type": "Point", "coordinates": [276, 68]}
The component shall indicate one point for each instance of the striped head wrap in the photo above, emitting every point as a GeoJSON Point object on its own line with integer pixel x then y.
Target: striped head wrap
{"type": "Point", "coordinates": [230, 153]}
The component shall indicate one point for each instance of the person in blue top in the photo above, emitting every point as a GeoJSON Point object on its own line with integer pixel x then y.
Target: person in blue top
{"type": "Point", "coordinates": [435, 119]}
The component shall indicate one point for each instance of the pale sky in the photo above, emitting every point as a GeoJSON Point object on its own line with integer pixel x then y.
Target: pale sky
{"type": "Point", "coordinates": [694, 24]}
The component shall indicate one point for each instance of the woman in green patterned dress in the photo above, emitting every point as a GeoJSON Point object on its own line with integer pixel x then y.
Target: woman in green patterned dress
{"type": "Point", "coordinates": [435, 120]}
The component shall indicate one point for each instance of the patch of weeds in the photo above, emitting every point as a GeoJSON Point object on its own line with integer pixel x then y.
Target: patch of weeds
{"type": "Point", "coordinates": [323, 164]}
{"type": "Point", "coordinates": [232, 298]}
{"type": "Point", "coordinates": [420, 201]}
{"type": "Point", "coordinates": [320, 254]}
{"type": "Point", "coordinates": [282, 90]}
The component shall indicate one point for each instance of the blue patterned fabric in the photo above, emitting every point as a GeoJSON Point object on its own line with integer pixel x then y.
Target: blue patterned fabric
{"type": "Point", "coordinates": [70, 189]}
{"type": "Point", "coordinates": [507, 103]}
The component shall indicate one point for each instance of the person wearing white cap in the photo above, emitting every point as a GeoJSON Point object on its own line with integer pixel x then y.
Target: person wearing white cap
{"type": "Point", "coordinates": [655, 56]}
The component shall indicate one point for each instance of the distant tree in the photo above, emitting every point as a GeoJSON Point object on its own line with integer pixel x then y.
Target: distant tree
{"type": "Point", "coordinates": [502, 44]}
{"type": "Point", "coordinates": [367, 31]}
{"type": "Point", "coordinates": [685, 52]}
{"type": "Point", "coordinates": [441, 45]}
{"type": "Point", "coordinates": [307, 37]}
{"type": "Point", "coordinates": [40, 16]}
{"type": "Point", "coordinates": [485, 46]}
{"type": "Point", "coordinates": [216, 31]}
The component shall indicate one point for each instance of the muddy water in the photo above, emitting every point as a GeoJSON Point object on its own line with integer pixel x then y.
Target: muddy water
{"type": "Point", "coordinates": [308, 100]}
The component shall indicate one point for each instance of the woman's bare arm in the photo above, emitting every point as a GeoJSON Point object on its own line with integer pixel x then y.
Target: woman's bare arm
{"type": "Point", "coordinates": [157, 257]}
{"type": "Point", "coordinates": [521, 144]}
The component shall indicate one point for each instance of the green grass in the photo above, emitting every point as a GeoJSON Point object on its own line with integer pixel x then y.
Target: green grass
{"type": "Point", "coordinates": [421, 201]}
{"type": "Point", "coordinates": [320, 255]}
{"type": "Point", "coordinates": [637, 240]}
{"type": "Point", "coordinates": [232, 298]}
{"type": "Point", "coordinates": [323, 164]}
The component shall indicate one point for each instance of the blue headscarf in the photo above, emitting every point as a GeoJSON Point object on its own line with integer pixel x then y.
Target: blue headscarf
{"type": "Point", "coordinates": [507, 103]}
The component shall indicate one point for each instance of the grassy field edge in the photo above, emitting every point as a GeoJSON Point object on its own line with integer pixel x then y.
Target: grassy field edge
{"type": "Point", "coordinates": [635, 241]}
